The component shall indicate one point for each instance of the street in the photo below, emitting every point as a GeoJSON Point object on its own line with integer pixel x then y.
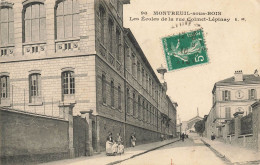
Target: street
{"type": "Point", "coordinates": [190, 152]}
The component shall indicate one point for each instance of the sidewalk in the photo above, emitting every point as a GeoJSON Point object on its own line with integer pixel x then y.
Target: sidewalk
{"type": "Point", "coordinates": [102, 159]}
{"type": "Point", "coordinates": [233, 154]}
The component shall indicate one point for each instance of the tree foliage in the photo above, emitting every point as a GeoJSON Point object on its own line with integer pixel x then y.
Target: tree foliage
{"type": "Point", "coordinates": [200, 126]}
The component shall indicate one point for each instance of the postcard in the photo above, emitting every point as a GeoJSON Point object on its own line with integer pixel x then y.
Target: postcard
{"type": "Point", "coordinates": [129, 82]}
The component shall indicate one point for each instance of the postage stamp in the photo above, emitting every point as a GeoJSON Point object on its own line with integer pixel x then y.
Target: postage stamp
{"type": "Point", "coordinates": [185, 49]}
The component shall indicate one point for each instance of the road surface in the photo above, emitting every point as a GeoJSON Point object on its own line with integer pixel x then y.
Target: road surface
{"type": "Point", "coordinates": [190, 152]}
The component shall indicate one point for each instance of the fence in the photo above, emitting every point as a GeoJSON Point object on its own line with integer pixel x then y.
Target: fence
{"type": "Point", "coordinates": [21, 100]}
{"type": "Point", "coordinates": [247, 124]}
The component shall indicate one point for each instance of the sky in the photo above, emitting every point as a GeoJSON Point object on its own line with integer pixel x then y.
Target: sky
{"type": "Point", "coordinates": [233, 45]}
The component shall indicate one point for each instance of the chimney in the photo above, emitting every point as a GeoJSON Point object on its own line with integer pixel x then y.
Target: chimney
{"type": "Point", "coordinates": [238, 75]}
{"type": "Point", "coordinates": [256, 73]}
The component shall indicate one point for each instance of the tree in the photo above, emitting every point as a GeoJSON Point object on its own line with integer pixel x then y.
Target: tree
{"type": "Point", "coordinates": [200, 126]}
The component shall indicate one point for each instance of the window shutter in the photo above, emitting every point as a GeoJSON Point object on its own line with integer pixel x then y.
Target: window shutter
{"type": "Point", "coordinates": [8, 86]}
{"type": "Point", "coordinates": [249, 94]}
{"type": "Point", "coordinates": [229, 96]}
{"type": "Point", "coordinates": [223, 95]}
{"type": "Point", "coordinates": [255, 94]}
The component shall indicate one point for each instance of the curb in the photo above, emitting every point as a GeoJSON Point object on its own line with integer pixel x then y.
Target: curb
{"type": "Point", "coordinates": [119, 161]}
{"type": "Point", "coordinates": [217, 152]}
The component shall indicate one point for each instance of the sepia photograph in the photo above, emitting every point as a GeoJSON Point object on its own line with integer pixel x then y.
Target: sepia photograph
{"type": "Point", "coordinates": [129, 82]}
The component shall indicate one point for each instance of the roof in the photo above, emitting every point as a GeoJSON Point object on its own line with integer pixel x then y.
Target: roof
{"type": "Point", "coordinates": [139, 49]}
{"type": "Point", "coordinates": [194, 118]}
{"type": "Point", "coordinates": [247, 79]}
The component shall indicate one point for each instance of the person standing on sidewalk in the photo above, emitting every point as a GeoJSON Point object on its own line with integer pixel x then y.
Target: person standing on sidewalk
{"type": "Point", "coordinates": [120, 147]}
{"type": "Point", "coordinates": [182, 137]}
{"type": "Point", "coordinates": [133, 139]}
{"type": "Point", "coordinates": [109, 144]}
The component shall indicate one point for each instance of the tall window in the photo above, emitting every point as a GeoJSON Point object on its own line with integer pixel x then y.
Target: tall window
{"type": "Point", "coordinates": [147, 83]}
{"type": "Point", "coordinates": [226, 95]}
{"type": "Point", "coordinates": [252, 94]}
{"type": "Point", "coordinates": [102, 23]}
{"type": "Point", "coordinates": [6, 26]}
{"type": "Point", "coordinates": [127, 101]}
{"type": "Point", "coordinates": [67, 19]}
{"type": "Point", "coordinates": [154, 116]}
{"type": "Point", "coordinates": [150, 84]}
{"type": "Point", "coordinates": [119, 97]}
{"type": "Point", "coordinates": [143, 111]}
{"type": "Point", "coordinates": [4, 87]}
{"type": "Point", "coordinates": [35, 86]}
{"type": "Point", "coordinates": [147, 114]}
{"type": "Point", "coordinates": [34, 22]}
{"type": "Point", "coordinates": [104, 98]}
{"type": "Point", "coordinates": [133, 66]}
{"type": "Point", "coordinates": [112, 91]}
{"type": "Point", "coordinates": [128, 59]}
{"type": "Point", "coordinates": [110, 35]}
{"type": "Point", "coordinates": [138, 71]}
{"type": "Point", "coordinates": [139, 107]}
{"type": "Point", "coordinates": [134, 105]}
{"type": "Point", "coordinates": [118, 44]}
{"type": "Point", "coordinates": [68, 83]}
{"type": "Point", "coordinates": [228, 112]}
{"type": "Point", "coordinates": [143, 78]}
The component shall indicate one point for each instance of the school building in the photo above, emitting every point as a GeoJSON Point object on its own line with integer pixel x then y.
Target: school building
{"type": "Point", "coordinates": [70, 73]}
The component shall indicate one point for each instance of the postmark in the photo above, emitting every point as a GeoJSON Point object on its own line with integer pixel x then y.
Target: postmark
{"type": "Point", "coordinates": [185, 49]}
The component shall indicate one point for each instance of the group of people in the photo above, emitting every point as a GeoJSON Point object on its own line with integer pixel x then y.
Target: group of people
{"type": "Point", "coordinates": [183, 136]}
{"type": "Point", "coordinates": [115, 147]}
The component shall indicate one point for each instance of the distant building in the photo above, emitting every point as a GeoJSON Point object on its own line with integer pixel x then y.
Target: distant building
{"type": "Point", "coordinates": [232, 95]}
{"type": "Point", "coordinates": [188, 126]}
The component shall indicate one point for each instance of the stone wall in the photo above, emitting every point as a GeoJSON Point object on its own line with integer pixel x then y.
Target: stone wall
{"type": "Point", "coordinates": [32, 138]}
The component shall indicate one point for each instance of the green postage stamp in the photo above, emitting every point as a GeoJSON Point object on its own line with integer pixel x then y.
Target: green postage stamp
{"type": "Point", "coordinates": [185, 50]}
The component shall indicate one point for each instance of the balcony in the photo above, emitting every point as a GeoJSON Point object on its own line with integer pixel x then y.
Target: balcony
{"type": "Point", "coordinates": [34, 48]}
{"type": "Point", "coordinates": [7, 50]}
{"type": "Point", "coordinates": [67, 45]}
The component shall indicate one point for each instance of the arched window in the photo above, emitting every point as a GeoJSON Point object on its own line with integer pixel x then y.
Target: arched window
{"type": "Point", "coordinates": [134, 105]}
{"type": "Point", "coordinates": [4, 81]}
{"type": "Point", "coordinates": [139, 107]}
{"type": "Point", "coordinates": [67, 19]}
{"type": "Point", "coordinates": [35, 87]}
{"type": "Point", "coordinates": [34, 21]}
{"type": "Point", "coordinates": [102, 18]}
{"type": "Point", "coordinates": [104, 88]}
{"type": "Point", "coordinates": [6, 25]}
{"type": "Point", "coordinates": [143, 111]}
{"type": "Point", "coordinates": [118, 43]}
{"type": "Point", "coordinates": [119, 98]}
{"type": "Point", "coordinates": [127, 101]}
{"type": "Point", "coordinates": [112, 91]}
{"type": "Point", "coordinates": [68, 84]}
{"type": "Point", "coordinates": [110, 34]}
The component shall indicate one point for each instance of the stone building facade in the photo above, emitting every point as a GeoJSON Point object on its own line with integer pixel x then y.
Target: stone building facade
{"type": "Point", "coordinates": [230, 96]}
{"type": "Point", "coordinates": [76, 52]}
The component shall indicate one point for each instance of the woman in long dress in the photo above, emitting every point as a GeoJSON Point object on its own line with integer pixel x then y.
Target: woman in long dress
{"type": "Point", "coordinates": [133, 139]}
{"type": "Point", "coordinates": [120, 148]}
{"type": "Point", "coordinates": [109, 145]}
